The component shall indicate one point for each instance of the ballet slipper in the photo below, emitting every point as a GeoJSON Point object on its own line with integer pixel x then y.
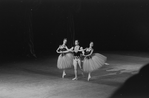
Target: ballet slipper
{"type": "Point", "coordinates": [107, 64]}
{"type": "Point", "coordinates": [64, 74]}
{"type": "Point", "coordinates": [75, 78]}
{"type": "Point", "coordinates": [89, 77]}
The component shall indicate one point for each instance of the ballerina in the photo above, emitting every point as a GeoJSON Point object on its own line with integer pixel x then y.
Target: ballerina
{"type": "Point", "coordinates": [77, 50]}
{"type": "Point", "coordinates": [65, 58]}
{"type": "Point", "coordinates": [92, 61]}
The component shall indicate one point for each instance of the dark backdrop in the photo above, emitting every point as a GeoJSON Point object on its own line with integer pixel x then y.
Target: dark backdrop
{"type": "Point", "coordinates": [41, 25]}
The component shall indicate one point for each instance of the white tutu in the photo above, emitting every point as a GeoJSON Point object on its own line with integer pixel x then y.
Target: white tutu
{"type": "Point", "coordinates": [65, 61]}
{"type": "Point", "coordinates": [94, 62]}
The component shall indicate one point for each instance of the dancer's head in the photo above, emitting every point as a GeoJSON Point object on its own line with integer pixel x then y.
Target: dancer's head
{"type": "Point", "coordinates": [64, 41]}
{"type": "Point", "coordinates": [76, 42]}
{"type": "Point", "coordinates": [91, 44]}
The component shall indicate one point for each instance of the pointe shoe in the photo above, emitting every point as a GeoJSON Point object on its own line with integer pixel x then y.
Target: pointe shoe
{"type": "Point", "coordinates": [63, 75]}
{"type": "Point", "coordinates": [88, 78]}
{"type": "Point", "coordinates": [75, 78]}
{"type": "Point", "coordinates": [107, 64]}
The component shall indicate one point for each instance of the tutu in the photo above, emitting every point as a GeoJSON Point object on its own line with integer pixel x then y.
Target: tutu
{"type": "Point", "coordinates": [65, 61]}
{"type": "Point", "coordinates": [93, 62]}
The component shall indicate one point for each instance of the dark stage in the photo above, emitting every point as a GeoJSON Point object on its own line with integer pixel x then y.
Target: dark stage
{"type": "Point", "coordinates": [32, 30]}
{"type": "Point", "coordinates": [40, 78]}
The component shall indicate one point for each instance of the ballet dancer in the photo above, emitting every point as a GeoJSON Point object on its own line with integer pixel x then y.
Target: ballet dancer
{"type": "Point", "coordinates": [65, 59]}
{"type": "Point", "coordinates": [77, 50]}
{"type": "Point", "coordinates": [92, 61]}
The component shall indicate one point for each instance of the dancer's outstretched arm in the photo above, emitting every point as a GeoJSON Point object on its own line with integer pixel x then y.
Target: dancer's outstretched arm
{"type": "Point", "coordinates": [66, 48]}
{"type": "Point", "coordinates": [71, 49]}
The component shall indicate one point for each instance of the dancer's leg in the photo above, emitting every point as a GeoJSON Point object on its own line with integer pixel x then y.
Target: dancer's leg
{"type": "Point", "coordinates": [64, 73]}
{"type": "Point", "coordinates": [89, 76]}
{"type": "Point", "coordinates": [75, 69]}
{"type": "Point", "coordinates": [79, 62]}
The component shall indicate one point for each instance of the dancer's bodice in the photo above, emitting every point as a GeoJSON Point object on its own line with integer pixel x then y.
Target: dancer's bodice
{"type": "Point", "coordinates": [76, 50]}
{"type": "Point", "coordinates": [87, 51]}
{"type": "Point", "coordinates": [62, 48]}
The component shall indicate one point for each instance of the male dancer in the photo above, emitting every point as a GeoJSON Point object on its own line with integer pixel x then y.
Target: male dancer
{"type": "Point", "coordinates": [77, 50]}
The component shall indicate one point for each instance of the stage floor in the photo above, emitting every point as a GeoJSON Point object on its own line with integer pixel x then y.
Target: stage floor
{"type": "Point", "coordinates": [41, 78]}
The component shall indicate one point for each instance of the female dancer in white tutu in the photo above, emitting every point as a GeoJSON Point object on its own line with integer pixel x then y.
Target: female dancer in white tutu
{"type": "Point", "coordinates": [92, 61]}
{"type": "Point", "coordinates": [76, 61]}
{"type": "Point", "coordinates": [65, 58]}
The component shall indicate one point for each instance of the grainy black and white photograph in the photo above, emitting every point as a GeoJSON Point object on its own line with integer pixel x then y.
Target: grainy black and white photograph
{"type": "Point", "coordinates": [74, 48]}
